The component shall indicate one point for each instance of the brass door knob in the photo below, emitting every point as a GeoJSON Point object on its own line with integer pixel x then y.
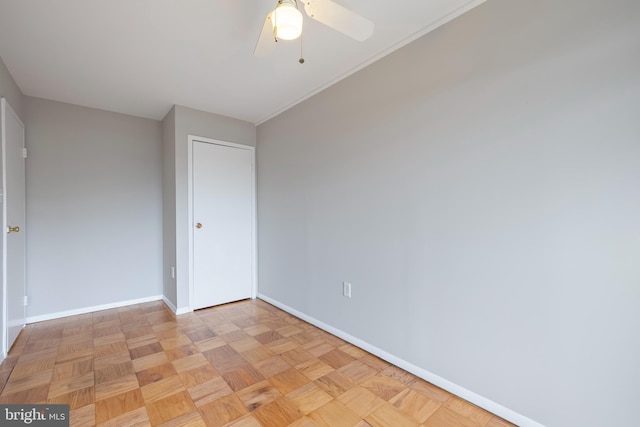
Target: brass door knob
{"type": "Point", "coordinates": [198, 225]}
{"type": "Point", "coordinates": [15, 229]}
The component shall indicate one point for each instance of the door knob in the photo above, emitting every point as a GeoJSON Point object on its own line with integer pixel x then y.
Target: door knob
{"type": "Point", "coordinates": [198, 225]}
{"type": "Point", "coordinates": [15, 229]}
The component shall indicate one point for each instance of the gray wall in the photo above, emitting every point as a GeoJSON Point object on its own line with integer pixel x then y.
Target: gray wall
{"type": "Point", "coordinates": [194, 122]}
{"type": "Point", "coordinates": [169, 205]}
{"type": "Point", "coordinates": [94, 207]}
{"type": "Point", "coordinates": [480, 189]}
{"type": "Point", "coordinates": [9, 89]}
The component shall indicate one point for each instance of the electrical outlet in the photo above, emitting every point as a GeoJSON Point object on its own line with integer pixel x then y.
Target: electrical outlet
{"type": "Point", "coordinates": [346, 289]}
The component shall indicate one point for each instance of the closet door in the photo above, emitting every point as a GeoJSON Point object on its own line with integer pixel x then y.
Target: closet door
{"type": "Point", "coordinates": [223, 221]}
{"type": "Point", "coordinates": [13, 213]}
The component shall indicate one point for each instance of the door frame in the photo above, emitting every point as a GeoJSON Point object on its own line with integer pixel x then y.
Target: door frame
{"type": "Point", "coordinates": [254, 224]}
{"type": "Point", "coordinates": [5, 110]}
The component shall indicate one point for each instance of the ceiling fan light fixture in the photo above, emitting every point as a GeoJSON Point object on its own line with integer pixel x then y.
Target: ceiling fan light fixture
{"type": "Point", "coordinates": [287, 21]}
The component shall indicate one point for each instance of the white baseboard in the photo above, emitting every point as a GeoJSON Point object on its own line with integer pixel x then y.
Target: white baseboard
{"type": "Point", "coordinates": [443, 383]}
{"type": "Point", "coordinates": [172, 307]}
{"type": "Point", "coordinates": [183, 310]}
{"type": "Point", "coordinates": [169, 304]}
{"type": "Point", "coordinates": [85, 310]}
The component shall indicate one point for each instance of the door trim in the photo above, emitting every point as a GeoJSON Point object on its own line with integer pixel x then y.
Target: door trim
{"type": "Point", "coordinates": [254, 235]}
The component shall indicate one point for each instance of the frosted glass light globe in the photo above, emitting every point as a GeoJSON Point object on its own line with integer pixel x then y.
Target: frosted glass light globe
{"type": "Point", "coordinates": [287, 22]}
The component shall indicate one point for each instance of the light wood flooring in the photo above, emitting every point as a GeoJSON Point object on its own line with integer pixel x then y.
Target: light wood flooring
{"type": "Point", "coordinates": [246, 364]}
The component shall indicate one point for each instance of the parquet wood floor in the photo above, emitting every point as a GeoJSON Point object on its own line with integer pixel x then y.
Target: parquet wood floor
{"type": "Point", "coordinates": [246, 364]}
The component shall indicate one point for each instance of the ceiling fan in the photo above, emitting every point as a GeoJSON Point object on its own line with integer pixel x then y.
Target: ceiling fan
{"type": "Point", "coordinates": [285, 23]}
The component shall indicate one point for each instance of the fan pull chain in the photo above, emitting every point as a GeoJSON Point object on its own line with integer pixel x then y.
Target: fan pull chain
{"type": "Point", "coordinates": [301, 60]}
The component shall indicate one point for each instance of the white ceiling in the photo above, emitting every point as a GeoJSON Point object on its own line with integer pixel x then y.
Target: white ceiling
{"type": "Point", "coordinates": [140, 57]}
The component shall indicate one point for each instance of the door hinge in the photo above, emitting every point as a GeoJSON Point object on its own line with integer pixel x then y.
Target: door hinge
{"type": "Point", "coordinates": [24, 153]}
{"type": "Point", "coordinates": [26, 300]}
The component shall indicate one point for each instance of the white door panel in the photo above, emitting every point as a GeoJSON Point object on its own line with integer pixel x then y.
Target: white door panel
{"type": "Point", "coordinates": [223, 203]}
{"type": "Point", "coordinates": [14, 217]}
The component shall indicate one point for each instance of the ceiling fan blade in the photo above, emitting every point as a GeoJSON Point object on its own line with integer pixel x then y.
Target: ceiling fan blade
{"type": "Point", "coordinates": [266, 41]}
{"type": "Point", "coordinates": [339, 18]}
